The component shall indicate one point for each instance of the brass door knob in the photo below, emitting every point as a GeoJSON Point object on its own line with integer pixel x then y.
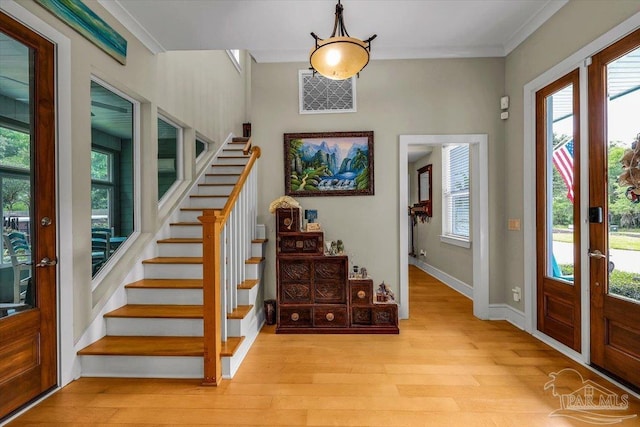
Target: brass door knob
{"type": "Point", "coordinates": [330, 317]}
{"type": "Point", "coordinates": [295, 317]}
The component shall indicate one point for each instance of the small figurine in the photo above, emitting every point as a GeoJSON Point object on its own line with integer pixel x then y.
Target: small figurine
{"type": "Point", "coordinates": [384, 293]}
{"type": "Point", "coordinates": [340, 247]}
{"type": "Point", "coordinates": [363, 273]}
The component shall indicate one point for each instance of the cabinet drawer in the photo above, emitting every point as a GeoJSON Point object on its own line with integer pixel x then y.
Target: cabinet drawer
{"type": "Point", "coordinates": [361, 292]}
{"type": "Point", "coordinates": [385, 315]}
{"type": "Point", "coordinates": [299, 293]}
{"type": "Point", "coordinates": [361, 315]}
{"type": "Point", "coordinates": [330, 292]}
{"type": "Point", "coordinates": [287, 220]}
{"type": "Point", "coordinates": [330, 316]}
{"type": "Point", "coordinates": [294, 271]}
{"type": "Point", "coordinates": [295, 317]}
{"type": "Point", "coordinates": [307, 243]}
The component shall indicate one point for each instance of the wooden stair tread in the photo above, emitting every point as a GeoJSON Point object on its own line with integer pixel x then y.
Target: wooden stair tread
{"type": "Point", "coordinates": [230, 346]}
{"type": "Point", "coordinates": [158, 311]}
{"type": "Point", "coordinates": [199, 209]}
{"type": "Point", "coordinates": [145, 346]}
{"type": "Point", "coordinates": [166, 284]}
{"type": "Point", "coordinates": [215, 185]}
{"type": "Point", "coordinates": [248, 284]}
{"type": "Point", "coordinates": [240, 312]}
{"type": "Point", "coordinates": [233, 157]}
{"type": "Point", "coordinates": [254, 260]}
{"type": "Point", "coordinates": [239, 140]}
{"type": "Point", "coordinates": [233, 149]}
{"type": "Point", "coordinates": [259, 240]}
{"type": "Point", "coordinates": [190, 224]}
{"type": "Point", "coordinates": [174, 260]}
{"type": "Point", "coordinates": [181, 240]}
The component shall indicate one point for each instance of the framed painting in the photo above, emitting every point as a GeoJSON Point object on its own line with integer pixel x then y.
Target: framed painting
{"type": "Point", "coordinates": [81, 18]}
{"type": "Point", "coordinates": [328, 164]}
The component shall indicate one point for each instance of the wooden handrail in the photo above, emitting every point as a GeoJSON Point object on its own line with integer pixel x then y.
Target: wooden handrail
{"type": "Point", "coordinates": [213, 221]}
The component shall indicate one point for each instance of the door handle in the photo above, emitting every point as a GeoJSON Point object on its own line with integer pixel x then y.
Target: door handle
{"type": "Point", "coordinates": [46, 262]}
{"type": "Point", "coordinates": [597, 254]}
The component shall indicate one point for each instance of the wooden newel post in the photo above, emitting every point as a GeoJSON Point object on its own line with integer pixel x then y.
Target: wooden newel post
{"type": "Point", "coordinates": [212, 221]}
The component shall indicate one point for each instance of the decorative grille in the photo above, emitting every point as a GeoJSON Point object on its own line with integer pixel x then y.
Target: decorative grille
{"type": "Point", "coordinates": [319, 94]}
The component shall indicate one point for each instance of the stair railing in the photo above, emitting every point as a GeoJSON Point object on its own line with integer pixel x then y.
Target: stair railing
{"type": "Point", "coordinates": [226, 245]}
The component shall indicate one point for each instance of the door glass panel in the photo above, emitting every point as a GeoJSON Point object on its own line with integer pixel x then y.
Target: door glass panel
{"type": "Point", "coordinates": [16, 88]}
{"type": "Point", "coordinates": [623, 136]}
{"type": "Point", "coordinates": [112, 201]}
{"type": "Point", "coordinates": [560, 197]}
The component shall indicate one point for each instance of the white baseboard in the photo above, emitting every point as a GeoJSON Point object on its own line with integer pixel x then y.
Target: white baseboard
{"type": "Point", "coordinates": [452, 282]}
{"type": "Point", "coordinates": [508, 313]}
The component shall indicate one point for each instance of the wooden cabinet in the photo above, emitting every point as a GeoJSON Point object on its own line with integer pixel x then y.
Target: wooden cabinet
{"type": "Point", "coordinates": [315, 294]}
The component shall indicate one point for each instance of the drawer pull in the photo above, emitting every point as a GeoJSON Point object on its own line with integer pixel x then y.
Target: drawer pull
{"type": "Point", "coordinates": [295, 317]}
{"type": "Point", "coordinates": [362, 294]}
{"type": "Point", "coordinates": [330, 317]}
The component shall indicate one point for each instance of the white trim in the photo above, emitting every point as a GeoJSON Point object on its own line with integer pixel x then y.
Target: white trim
{"type": "Point", "coordinates": [479, 215]}
{"type": "Point", "coordinates": [455, 241]}
{"type": "Point", "coordinates": [508, 313]}
{"type": "Point", "coordinates": [455, 284]}
{"type": "Point", "coordinates": [235, 61]}
{"type": "Point", "coordinates": [132, 25]}
{"type": "Point", "coordinates": [577, 60]}
{"type": "Point", "coordinates": [533, 24]}
{"type": "Point", "coordinates": [68, 365]}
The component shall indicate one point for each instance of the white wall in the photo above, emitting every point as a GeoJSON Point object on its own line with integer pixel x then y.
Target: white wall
{"type": "Point", "coordinates": [572, 27]}
{"type": "Point", "coordinates": [202, 91]}
{"type": "Point", "coordinates": [452, 96]}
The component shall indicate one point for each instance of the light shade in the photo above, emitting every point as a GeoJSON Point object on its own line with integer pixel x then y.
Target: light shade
{"type": "Point", "coordinates": [342, 56]}
{"type": "Point", "coordinates": [339, 58]}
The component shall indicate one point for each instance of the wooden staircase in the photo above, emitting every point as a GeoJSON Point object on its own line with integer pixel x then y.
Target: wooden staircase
{"type": "Point", "coordinates": [159, 332]}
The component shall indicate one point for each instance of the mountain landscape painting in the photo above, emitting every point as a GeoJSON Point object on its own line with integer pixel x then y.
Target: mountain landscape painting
{"type": "Point", "coordinates": [329, 164]}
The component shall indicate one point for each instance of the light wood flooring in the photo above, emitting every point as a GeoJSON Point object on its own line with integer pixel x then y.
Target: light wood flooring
{"type": "Point", "coordinates": [445, 368]}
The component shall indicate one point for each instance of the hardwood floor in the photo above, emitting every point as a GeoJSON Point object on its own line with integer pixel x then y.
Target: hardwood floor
{"type": "Point", "coordinates": [446, 368]}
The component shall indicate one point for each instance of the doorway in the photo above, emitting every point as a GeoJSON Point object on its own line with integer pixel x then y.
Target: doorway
{"type": "Point", "coordinates": [28, 320]}
{"type": "Point", "coordinates": [614, 210]}
{"type": "Point", "coordinates": [478, 144]}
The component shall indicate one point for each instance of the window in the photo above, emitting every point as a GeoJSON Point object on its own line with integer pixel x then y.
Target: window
{"type": "Point", "coordinates": [112, 172]}
{"type": "Point", "coordinates": [169, 147]}
{"type": "Point", "coordinates": [201, 147]}
{"type": "Point", "coordinates": [455, 194]}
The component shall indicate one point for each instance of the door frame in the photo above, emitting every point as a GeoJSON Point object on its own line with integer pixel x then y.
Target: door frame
{"type": "Point", "coordinates": [479, 220]}
{"type": "Point", "coordinates": [580, 59]}
{"type": "Point", "coordinates": [68, 364]}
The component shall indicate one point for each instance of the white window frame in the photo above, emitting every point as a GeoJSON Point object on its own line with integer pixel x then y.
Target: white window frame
{"type": "Point", "coordinates": [179, 156]}
{"type": "Point", "coordinates": [448, 236]}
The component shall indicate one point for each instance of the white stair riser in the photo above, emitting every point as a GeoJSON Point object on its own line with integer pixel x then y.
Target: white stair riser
{"type": "Point", "coordinates": [225, 169]}
{"type": "Point", "coordinates": [164, 296]}
{"type": "Point", "coordinates": [248, 296]}
{"type": "Point", "coordinates": [231, 160]}
{"type": "Point", "coordinates": [239, 327]}
{"type": "Point", "coordinates": [220, 179]}
{"type": "Point", "coordinates": [186, 231]}
{"type": "Point", "coordinates": [189, 216]}
{"type": "Point", "coordinates": [142, 366]}
{"type": "Point", "coordinates": [179, 249]}
{"type": "Point", "coordinates": [231, 364]}
{"type": "Point", "coordinates": [207, 202]}
{"type": "Point", "coordinates": [252, 271]}
{"type": "Point", "coordinates": [257, 250]}
{"type": "Point", "coordinates": [214, 190]}
{"type": "Point", "coordinates": [154, 327]}
{"type": "Point", "coordinates": [173, 271]}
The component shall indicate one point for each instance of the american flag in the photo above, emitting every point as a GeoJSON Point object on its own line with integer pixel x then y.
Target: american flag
{"type": "Point", "coordinates": [563, 161]}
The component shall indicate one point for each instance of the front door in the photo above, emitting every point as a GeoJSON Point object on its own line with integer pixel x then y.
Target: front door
{"type": "Point", "coordinates": [614, 207]}
{"type": "Point", "coordinates": [27, 181]}
{"type": "Point", "coordinates": [558, 214]}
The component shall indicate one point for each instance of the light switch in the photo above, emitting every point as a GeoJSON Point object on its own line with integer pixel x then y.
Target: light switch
{"type": "Point", "coordinates": [504, 102]}
{"type": "Point", "coordinates": [514, 225]}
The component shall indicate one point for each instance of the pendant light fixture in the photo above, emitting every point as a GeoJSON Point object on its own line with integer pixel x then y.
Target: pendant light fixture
{"type": "Point", "coordinates": [340, 56]}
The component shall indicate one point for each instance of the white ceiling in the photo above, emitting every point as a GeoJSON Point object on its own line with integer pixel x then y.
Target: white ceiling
{"type": "Point", "coordinates": [279, 30]}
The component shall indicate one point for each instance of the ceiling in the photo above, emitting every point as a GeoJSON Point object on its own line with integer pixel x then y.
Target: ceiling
{"type": "Point", "coordinates": [279, 30]}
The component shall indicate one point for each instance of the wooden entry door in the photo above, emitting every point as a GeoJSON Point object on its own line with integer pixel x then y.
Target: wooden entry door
{"type": "Point", "coordinates": [614, 196]}
{"type": "Point", "coordinates": [558, 210]}
{"type": "Point", "coordinates": [28, 323]}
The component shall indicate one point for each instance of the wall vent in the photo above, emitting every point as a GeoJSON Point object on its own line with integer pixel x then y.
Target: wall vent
{"type": "Point", "coordinates": [319, 94]}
